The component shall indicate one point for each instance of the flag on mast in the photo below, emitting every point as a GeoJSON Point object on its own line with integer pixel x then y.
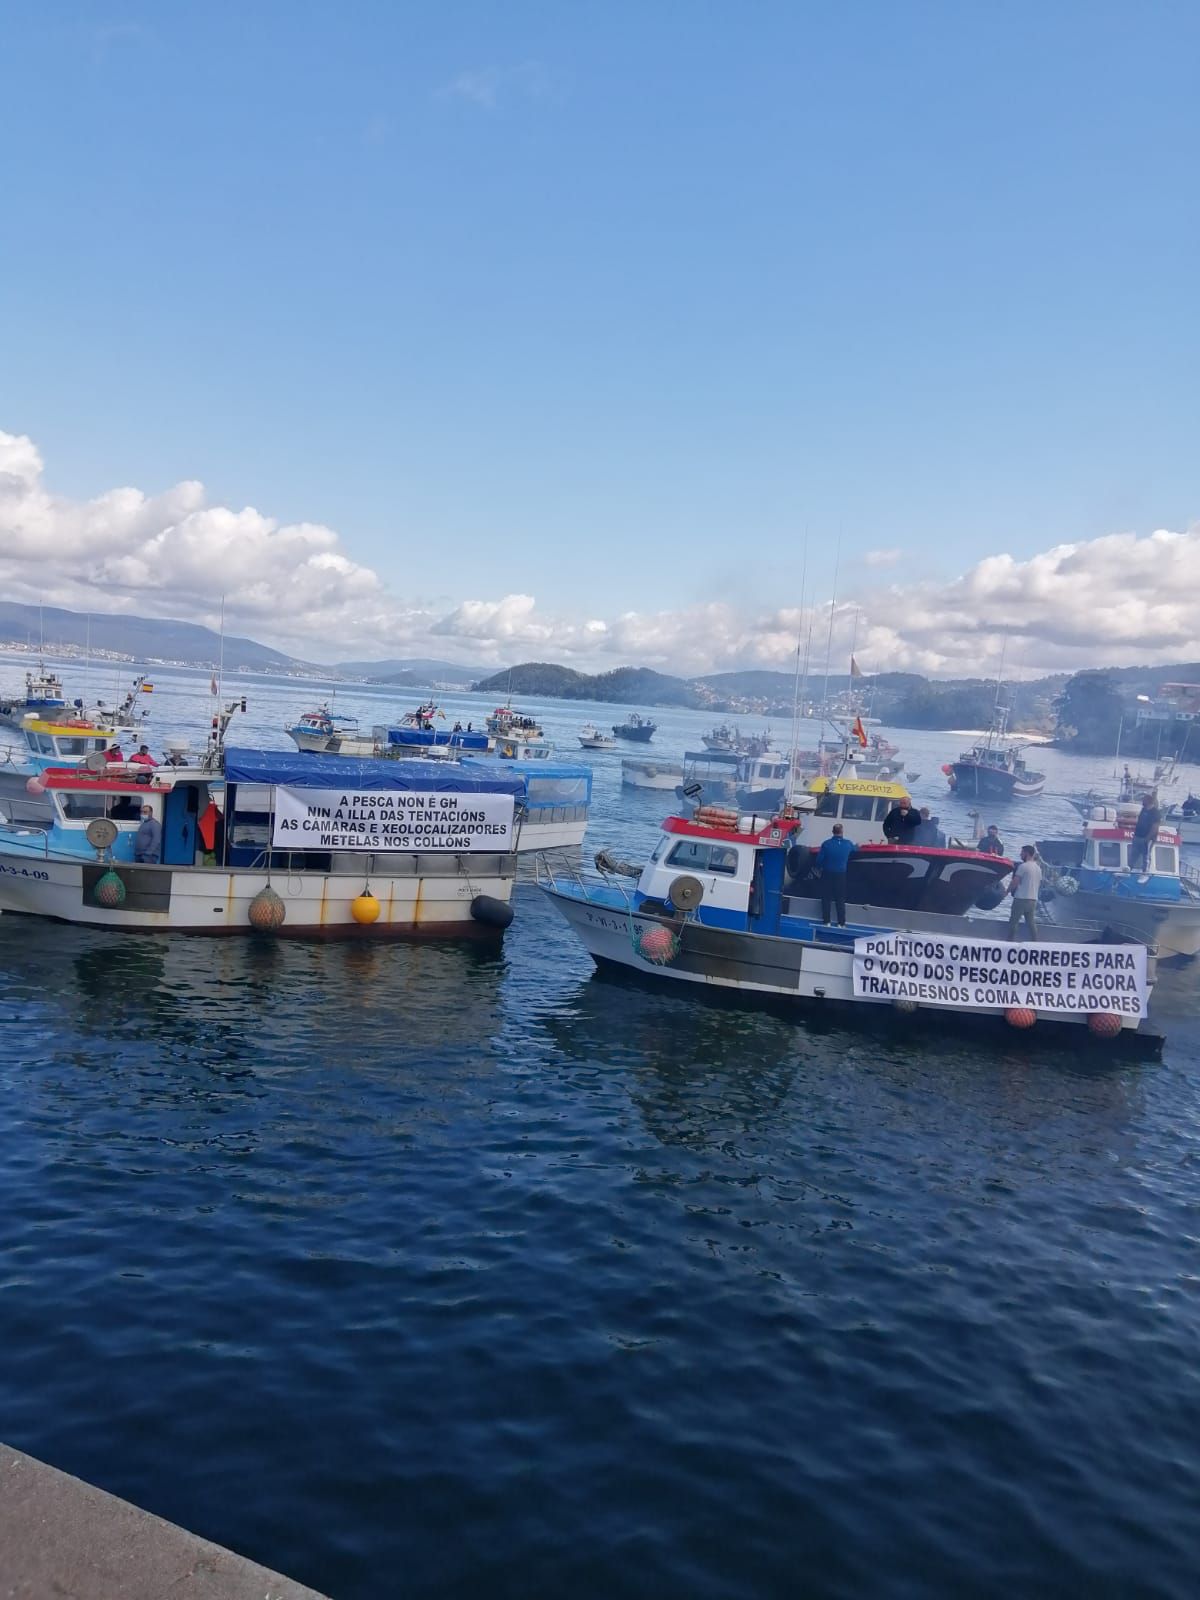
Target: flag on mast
{"type": "Point", "coordinates": [855, 670]}
{"type": "Point", "coordinates": [212, 688]}
{"type": "Point", "coordinates": [859, 732]}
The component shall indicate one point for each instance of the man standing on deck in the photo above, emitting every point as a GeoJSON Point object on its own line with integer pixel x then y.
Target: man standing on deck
{"type": "Point", "coordinates": [1024, 886]}
{"type": "Point", "coordinates": [147, 841]}
{"type": "Point", "coordinates": [1144, 834]}
{"type": "Point", "coordinates": [832, 860]}
{"type": "Point", "coordinates": [901, 822]}
{"type": "Point", "coordinates": [991, 844]}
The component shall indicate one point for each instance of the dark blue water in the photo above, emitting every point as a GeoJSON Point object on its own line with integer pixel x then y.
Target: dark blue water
{"type": "Point", "coordinates": [418, 1270]}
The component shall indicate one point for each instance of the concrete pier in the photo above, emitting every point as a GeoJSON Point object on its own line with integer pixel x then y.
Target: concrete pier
{"type": "Point", "coordinates": [62, 1538]}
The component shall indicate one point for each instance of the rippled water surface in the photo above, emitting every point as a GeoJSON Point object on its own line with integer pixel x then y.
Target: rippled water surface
{"type": "Point", "coordinates": [418, 1270]}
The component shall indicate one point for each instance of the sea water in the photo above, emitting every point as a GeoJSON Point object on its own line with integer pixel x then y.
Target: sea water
{"type": "Point", "coordinates": [416, 1269]}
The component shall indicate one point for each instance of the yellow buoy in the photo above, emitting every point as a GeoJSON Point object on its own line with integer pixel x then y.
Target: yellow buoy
{"type": "Point", "coordinates": [364, 908]}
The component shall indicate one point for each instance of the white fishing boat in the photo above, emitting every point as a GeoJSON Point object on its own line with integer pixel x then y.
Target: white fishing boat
{"type": "Point", "coordinates": [714, 908]}
{"type": "Point", "coordinates": [642, 774]}
{"type": "Point", "coordinates": [300, 844]}
{"type": "Point", "coordinates": [591, 738]}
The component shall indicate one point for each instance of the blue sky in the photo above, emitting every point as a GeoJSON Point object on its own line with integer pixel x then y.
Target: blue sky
{"type": "Point", "coordinates": [606, 305]}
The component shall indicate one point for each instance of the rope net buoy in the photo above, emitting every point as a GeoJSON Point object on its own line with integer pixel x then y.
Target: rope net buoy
{"type": "Point", "coordinates": [267, 910]}
{"type": "Point", "coordinates": [110, 890]}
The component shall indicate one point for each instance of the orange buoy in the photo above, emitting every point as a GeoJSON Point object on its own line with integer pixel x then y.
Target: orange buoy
{"type": "Point", "coordinates": [267, 911]}
{"type": "Point", "coordinates": [1104, 1024]}
{"type": "Point", "coordinates": [657, 944]}
{"type": "Point", "coordinates": [34, 786]}
{"type": "Point", "coordinates": [1020, 1017]}
{"type": "Point", "coordinates": [365, 908]}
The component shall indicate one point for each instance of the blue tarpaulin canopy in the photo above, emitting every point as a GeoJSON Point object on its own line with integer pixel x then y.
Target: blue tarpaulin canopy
{"type": "Point", "coordinates": [296, 769]}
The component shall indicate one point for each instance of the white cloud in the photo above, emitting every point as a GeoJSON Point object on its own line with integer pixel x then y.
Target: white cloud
{"type": "Point", "coordinates": [487, 87]}
{"type": "Point", "coordinates": [882, 558]}
{"type": "Point", "coordinates": [1120, 599]}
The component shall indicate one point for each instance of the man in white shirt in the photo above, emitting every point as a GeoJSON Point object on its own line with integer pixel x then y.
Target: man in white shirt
{"type": "Point", "coordinates": [1023, 886]}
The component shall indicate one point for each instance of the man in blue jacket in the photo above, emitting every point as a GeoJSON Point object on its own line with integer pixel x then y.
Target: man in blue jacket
{"type": "Point", "coordinates": [832, 860]}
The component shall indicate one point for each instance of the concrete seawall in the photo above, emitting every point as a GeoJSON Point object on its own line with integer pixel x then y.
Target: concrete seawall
{"type": "Point", "coordinates": [61, 1537]}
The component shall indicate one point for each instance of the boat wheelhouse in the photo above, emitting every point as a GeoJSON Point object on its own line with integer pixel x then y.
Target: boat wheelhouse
{"type": "Point", "coordinates": [43, 697]}
{"type": "Point", "coordinates": [55, 743]}
{"type": "Point", "coordinates": [1091, 881]}
{"type": "Point", "coordinates": [301, 844]}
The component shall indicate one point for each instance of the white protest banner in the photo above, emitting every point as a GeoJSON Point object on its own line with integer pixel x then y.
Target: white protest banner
{"type": "Point", "coordinates": [391, 819]}
{"type": "Point", "coordinates": [983, 973]}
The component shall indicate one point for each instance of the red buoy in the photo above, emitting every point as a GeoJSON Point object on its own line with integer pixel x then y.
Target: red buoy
{"type": "Point", "coordinates": [1020, 1017]}
{"type": "Point", "coordinates": [1104, 1024]}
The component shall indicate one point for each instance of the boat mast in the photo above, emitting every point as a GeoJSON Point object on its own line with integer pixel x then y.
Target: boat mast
{"type": "Point", "coordinates": [795, 743]}
{"type": "Point", "coordinates": [837, 562]}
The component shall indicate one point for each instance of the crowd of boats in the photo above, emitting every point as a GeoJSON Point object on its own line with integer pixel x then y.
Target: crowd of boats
{"type": "Point", "coordinates": [416, 827]}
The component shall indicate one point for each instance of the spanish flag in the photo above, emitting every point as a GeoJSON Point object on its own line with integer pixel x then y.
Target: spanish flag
{"type": "Point", "coordinates": [859, 732]}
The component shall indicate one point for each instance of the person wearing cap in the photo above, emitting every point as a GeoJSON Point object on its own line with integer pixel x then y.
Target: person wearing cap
{"type": "Point", "coordinates": [901, 822]}
{"type": "Point", "coordinates": [991, 844]}
{"type": "Point", "coordinates": [113, 753]}
{"type": "Point", "coordinates": [147, 841]}
{"type": "Point", "coordinates": [143, 758]}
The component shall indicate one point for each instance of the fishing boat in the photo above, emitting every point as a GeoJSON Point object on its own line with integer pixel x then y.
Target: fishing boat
{"type": "Point", "coordinates": [554, 799]}
{"type": "Point", "coordinates": [43, 697]}
{"type": "Point", "coordinates": [722, 740]}
{"type": "Point", "coordinates": [63, 742]}
{"type": "Point", "coordinates": [299, 844]}
{"type": "Point", "coordinates": [749, 783]}
{"type": "Point", "coordinates": [716, 907]}
{"type": "Point", "coordinates": [636, 729]}
{"type": "Point", "coordinates": [131, 711]}
{"type": "Point", "coordinates": [1089, 881]}
{"type": "Point", "coordinates": [637, 774]}
{"type": "Point", "coordinates": [591, 738]}
{"type": "Point", "coordinates": [322, 732]}
{"type": "Point", "coordinates": [417, 733]}
{"type": "Point", "coordinates": [1185, 819]}
{"type": "Point", "coordinates": [513, 736]}
{"type": "Point", "coordinates": [995, 771]}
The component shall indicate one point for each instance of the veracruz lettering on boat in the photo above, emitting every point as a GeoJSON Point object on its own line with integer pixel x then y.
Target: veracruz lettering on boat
{"type": "Point", "coordinates": [395, 820]}
{"type": "Point", "coordinates": [982, 974]}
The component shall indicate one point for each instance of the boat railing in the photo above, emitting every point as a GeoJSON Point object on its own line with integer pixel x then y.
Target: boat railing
{"type": "Point", "coordinates": [548, 875]}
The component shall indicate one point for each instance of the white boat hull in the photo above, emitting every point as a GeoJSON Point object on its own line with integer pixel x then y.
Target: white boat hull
{"type": "Point", "coordinates": [763, 964]}
{"type": "Point", "coordinates": [1173, 927]}
{"type": "Point", "coordinates": [431, 897]}
{"type": "Point", "coordinates": [652, 774]}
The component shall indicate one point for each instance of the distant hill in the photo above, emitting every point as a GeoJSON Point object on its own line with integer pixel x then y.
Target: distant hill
{"type": "Point", "coordinates": [408, 669]}
{"type": "Point", "coordinates": [143, 638]}
{"type": "Point", "coordinates": [624, 686]}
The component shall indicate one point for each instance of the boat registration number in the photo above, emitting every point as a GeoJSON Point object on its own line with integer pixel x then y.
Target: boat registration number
{"type": "Point", "coordinates": [24, 872]}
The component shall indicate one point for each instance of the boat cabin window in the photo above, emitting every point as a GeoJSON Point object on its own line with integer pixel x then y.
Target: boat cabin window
{"type": "Point", "coordinates": [1164, 858]}
{"type": "Point", "coordinates": [42, 743]}
{"type": "Point", "coordinates": [72, 746]}
{"type": "Point", "coordinates": [1108, 854]}
{"type": "Point", "coordinates": [82, 807]}
{"type": "Point", "coordinates": [858, 807]}
{"type": "Point", "coordinates": [697, 855]}
{"type": "Point", "coordinates": [827, 805]}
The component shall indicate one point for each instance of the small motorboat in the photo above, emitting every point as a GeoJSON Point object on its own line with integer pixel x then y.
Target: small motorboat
{"type": "Point", "coordinates": [591, 738]}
